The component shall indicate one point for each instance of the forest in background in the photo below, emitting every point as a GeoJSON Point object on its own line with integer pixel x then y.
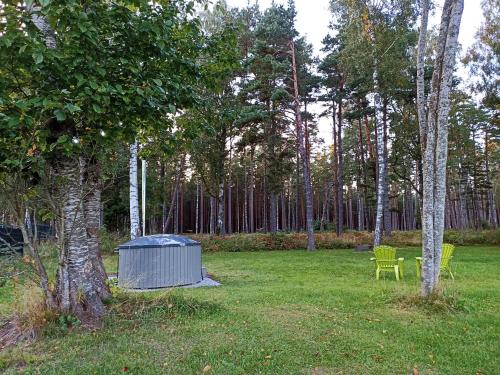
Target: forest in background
{"type": "Point", "coordinates": [244, 172]}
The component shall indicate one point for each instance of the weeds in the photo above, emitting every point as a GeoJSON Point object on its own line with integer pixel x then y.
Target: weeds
{"type": "Point", "coordinates": [440, 302]}
{"type": "Point", "coordinates": [152, 306]}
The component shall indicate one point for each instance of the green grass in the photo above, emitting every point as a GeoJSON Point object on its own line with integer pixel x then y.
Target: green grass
{"type": "Point", "coordinates": [290, 313]}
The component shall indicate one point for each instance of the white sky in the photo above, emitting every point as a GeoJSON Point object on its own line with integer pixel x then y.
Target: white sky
{"type": "Point", "coordinates": [313, 17]}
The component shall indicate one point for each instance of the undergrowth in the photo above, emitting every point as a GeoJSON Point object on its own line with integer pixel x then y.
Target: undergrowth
{"type": "Point", "coordinates": [156, 305]}
{"type": "Point", "coordinates": [440, 302]}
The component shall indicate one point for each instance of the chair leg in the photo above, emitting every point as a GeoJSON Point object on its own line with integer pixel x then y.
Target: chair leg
{"type": "Point", "coordinates": [378, 273]}
{"type": "Point", "coordinates": [396, 271]}
{"type": "Point", "coordinates": [418, 269]}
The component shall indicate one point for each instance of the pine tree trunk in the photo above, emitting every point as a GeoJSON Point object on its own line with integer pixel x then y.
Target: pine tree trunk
{"type": "Point", "coordinates": [251, 194]}
{"type": "Point", "coordinates": [273, 200]}
{"type": "Point", "coordinates": [340, 169]}
{"type": "Point", "coordinates": [302, 151]}
{"type": "Point", "coordinates": [229, 207]}
{"type": "Point", "coordinates": [197, 215]}
{"type": "Point", "coordinates": [490, 198]}
{"type": "Point", "coordinates": [202, 210]}
{"type": "Point", "coordinates": [284, 226]}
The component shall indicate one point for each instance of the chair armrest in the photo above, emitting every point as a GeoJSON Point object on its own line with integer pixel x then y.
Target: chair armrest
{"type": "Point", "coordinates": [373, 259]}
{"type": "Point", "coordinates": [401, 259]}
{"type": "Point", "coordinates": [418, 258]}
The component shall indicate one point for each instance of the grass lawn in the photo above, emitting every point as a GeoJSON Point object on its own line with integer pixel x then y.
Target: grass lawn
{"type": "Point", "coordinates": [292, 313]}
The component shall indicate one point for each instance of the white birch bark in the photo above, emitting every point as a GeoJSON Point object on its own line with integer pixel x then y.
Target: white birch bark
{"type": "Point", "coordinates": [221, 228]}
{"type": "Point", "coordinates": [135, 229]}
{"type": "Point", "coordinates": [381, 159]}
{"type": "Point", "coordinates": [433, 122]}
{"type": "Point", "coordinates": [143, 195]}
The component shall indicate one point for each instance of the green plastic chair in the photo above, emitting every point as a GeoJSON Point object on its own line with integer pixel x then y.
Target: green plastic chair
{"type": "Point", "coordinates": [446, 256]}
{"type": "Point", "coordinates": [385, 260]}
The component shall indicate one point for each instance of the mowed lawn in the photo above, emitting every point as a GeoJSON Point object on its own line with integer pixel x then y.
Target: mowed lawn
{"type": "Point", "coordinates": [294, 312]}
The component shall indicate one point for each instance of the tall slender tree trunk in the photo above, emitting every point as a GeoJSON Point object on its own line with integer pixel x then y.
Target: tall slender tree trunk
{"type": "Point", "coordinates": [273, 200]}
{"type": "Point", "coordinates": [340, 166]}
{"type": "Point", "coordinates": [202, 210]}
{"type": "Point", "coordinates": [302, 151]}
{"type": "Point", "coordinates": [251, 193]}
{"type": "Point", "coordinates": [221, 228]}
{"type": "Point", "coordinates": [284, 225]}
{"type": "Point", "coordinates": [213, 208]}
{"type": "Point", "coordinates": [433, 123]}
{"type": "Point", "coordinates": [387, 212]}
{"type": "Point", "coordinates": [172, 211]}
{"type": "Point", "coordinates": [229, 208]}
{"type": "Point", "coordinates": [197, 215]}
{"type": "Point", "coordinates": [490, 198]}
{"type": "Point", "coordinates": [135, 227]}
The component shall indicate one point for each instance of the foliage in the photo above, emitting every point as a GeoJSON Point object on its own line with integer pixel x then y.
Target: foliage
{"type": "Point", "coordinates": [329, 240]}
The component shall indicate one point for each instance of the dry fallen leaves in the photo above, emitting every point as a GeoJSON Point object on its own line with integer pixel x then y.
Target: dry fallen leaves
{"type": "Point", "coordinates": [206, 368]}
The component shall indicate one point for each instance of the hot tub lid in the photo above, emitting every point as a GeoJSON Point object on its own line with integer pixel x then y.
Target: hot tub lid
{"type": "Point", "coordinates": [159, 240]}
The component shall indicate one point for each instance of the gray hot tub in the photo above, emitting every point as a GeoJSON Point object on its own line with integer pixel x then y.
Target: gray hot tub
{"type": "Point", "coordinates": [159, 261]}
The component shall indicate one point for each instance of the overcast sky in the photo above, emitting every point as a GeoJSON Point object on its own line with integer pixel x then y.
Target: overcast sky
{"type": "Point", "coordinates": [313, 18]}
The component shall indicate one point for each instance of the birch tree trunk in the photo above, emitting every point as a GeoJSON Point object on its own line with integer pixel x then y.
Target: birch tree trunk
{"type": "Point", "coordinates": [303, 154]}
{"type": "Point", "coordinates": [221, 228]}
{"type": "Point", "coordinates": [135, 227]}
{"type": "Point", "coordinates": [381, 156]}
{"type": "Point", "coordinates": [92, 207]}
{"type": "Point", "coordinates": [433, 123]}
{"type": "Point", "coordinates": [78, 290]}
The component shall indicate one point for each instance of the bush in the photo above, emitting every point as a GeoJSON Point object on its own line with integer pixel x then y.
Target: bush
{"type": "Point", "coordinates": [110, 240]}
{"type": "Point", "coordinates": [329, 240]}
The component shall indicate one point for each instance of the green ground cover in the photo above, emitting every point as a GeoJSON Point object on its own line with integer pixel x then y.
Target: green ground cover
{"type": "Point", "coordinates": [287, 312]}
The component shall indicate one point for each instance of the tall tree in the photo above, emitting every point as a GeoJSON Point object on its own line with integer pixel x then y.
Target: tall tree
{"type": "Point", "coordinates": [135, 228]}
{"type": "Point", "coordinates": [91, 73]}
{"type": "Point", "coordinates": [433, 123]}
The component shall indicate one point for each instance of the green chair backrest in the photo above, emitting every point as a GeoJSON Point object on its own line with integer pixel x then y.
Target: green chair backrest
{"type": "Point", "coordinates": [447, 254]}
{"type": "Point", "coordinates": [385, 256]}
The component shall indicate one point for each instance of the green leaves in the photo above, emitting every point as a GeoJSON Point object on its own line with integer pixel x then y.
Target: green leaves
{"type": "Point", "coordinates": [38, 57]}
{"type": "Point", "coordinates": [96, 108]}
{"type": "Point", "coordinates": [60, 115]}
{"type": "Point", "coordinates": [108, 72]}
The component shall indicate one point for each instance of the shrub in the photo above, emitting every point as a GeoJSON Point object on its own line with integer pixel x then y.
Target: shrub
{"type": "Point", "coordinates": [329, 240]}
{"type": "Point", "coordinates": [110, 240]}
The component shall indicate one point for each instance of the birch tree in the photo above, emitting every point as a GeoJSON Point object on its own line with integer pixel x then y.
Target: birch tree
{"type": "Point", "coordinates": [135, 229]}
{"type": "Point", "coordinates": [84, 86]}
{"type": "Point", "coordinates": [433, 123]}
